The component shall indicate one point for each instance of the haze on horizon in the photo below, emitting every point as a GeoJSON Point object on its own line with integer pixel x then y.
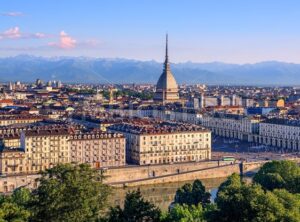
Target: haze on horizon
{"type": "Point", "coordinates": [231, 31]}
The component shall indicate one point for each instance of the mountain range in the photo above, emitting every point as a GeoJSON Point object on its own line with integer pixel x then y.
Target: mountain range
{"type": "Point", "coordinates": [103, 70]}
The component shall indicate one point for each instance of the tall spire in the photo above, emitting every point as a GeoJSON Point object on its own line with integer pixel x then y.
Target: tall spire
{"type": "Point", "coordinates": [167, 56]}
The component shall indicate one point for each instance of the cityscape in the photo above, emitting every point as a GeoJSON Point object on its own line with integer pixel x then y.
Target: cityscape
{"type": "Point", "coordinates": [88, 138]}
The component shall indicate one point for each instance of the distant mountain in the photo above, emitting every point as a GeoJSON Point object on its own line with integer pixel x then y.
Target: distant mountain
{"type": "Point", "coordinates": [95, 70]}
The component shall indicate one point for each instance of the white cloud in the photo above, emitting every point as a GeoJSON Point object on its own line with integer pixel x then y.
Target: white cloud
{"type": "Point", "coordinates": [39, 35]}
{"type": "Point", "coordinates": [65, 41]}
{"type": "Point", "coordinates": [12, 33]}
{"type": "Point", "coordinates": [12, 14]}
{"type": "Point", "coordinates": [15, 33]}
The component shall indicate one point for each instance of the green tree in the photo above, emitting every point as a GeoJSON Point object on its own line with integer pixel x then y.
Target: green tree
{"type": "Point", "coordinates": [136, 209]}
{"type": "Point", "coordinates": [237, 201]}
{"type": "Point", "coordinates": [185, 213]}
{"type": "Point", "coordinates": [192, 194]}
{"type": "Point", "coordinates": [14, 208]}
{"type": "Point", "coordinates": [22, 196]}
{"type": "Point", "coordinates": [69, 193]}
{"type": "Point", "coordinates": [291, 203]}
{"type": "Point", "coordinates": [278, 175]}
{"type": "Point", "coordinates": [11, 212]}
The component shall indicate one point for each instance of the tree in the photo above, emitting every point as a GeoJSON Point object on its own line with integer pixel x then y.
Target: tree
{"type": "Point", "coordinates": [237, 201]}
{"type": "Point", "coordinates": [11, 212]}
{"type": "Point", "coordinates": [22, 196]}
{"type": "Point", "coordinates": [192, 194]}
{"type": "Point", "coordinates": [69, 193]}
{"type": "Point", "coordinates": [279, 175]}
{"type": "Point", "coordinates": [14, 208]}
{"type": "Point", "coordinates": [136, 209]}
{"type": "Point", "coordinates": [291, 203]}
{"type": "Point", "coordinates": [185, 213]}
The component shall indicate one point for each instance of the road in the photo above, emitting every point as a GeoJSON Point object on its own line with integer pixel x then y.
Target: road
{"type": "Point", "coordinates": [247, 151]}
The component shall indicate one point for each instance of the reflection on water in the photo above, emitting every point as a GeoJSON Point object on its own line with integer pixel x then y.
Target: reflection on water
{"type": "Point", "coordinates": [163, 194]}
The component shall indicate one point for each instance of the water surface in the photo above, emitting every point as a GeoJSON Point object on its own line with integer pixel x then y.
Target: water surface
{"type": "Point", "coordinates": [163, 194]}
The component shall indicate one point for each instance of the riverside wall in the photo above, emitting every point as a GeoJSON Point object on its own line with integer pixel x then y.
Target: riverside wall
{"type": "Point", "coordinates": [150, 174]}
{"type": "Point", "coordinates": [139, 176]}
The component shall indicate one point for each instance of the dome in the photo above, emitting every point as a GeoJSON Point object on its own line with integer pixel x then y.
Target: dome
{"type": "Point", "coordinates": [166, 81]}
{"type": "Point", "coordinates": [166, 87]}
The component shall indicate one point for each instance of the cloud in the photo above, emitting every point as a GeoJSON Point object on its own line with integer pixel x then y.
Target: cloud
{"type": "Point", "coordinates": [15, 33]}
{"type": "Point", "coordinates": [39, 35]}
{"type": "Point", "coordinates": [65, 42]}
{"type": "Point", "coordinates": [12, 33]}
{"type": "Point", "coordinates": [12, 14]}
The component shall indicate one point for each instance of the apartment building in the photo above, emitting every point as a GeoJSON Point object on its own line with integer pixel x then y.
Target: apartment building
{"type": "Point", "coordinates": [164, 142]}
{"type": "Point", "coordinates": [19, 119]}
{"type": "Point", "coordinates": [45, 148]}
{"type": "Point", "coordinates": [41, 148]}
{"type": "Point", "coordinates": [99, 149]}
{"type": "Point", "coordinates": [232, 126]}
{"type": "Point", "coordinates": [12, 161]}
{"type": "Point", "coordinates": [280, 133]}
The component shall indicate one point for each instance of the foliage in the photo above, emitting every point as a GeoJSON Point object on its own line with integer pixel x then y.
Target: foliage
{"type": "Point", "coordinates": [136, 209]}
{"type": "Point", "coordinates": [14, 208]}
{"type": "Point", "coordinates": [69, 193]}
{"type": "Point", "coordinates": [185, 213]}
{"type": "Point", "coordinates": [291, 203]}
{"type": "Point", "coordinates": [279, 175]}
{"type": "Point", "coordinates": [21, 196]}
{"type": "Point", "coordinates": [192, 194]}
{"type": "Point", "coordinates": [75, 193]}
{"type": "Point", "coordinates": [237, 201]}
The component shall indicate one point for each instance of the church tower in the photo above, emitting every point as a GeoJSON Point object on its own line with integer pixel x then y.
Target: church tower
{"type": "Point", "coordinates": [166, 87]}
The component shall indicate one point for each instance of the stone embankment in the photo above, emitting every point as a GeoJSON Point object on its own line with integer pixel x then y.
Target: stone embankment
{"type": "Point", "coordinates": [151, 174]}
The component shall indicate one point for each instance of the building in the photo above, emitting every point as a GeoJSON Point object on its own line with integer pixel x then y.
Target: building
{"type": "Point", "coordinates": [12, 161]}
{"type": "Point", "coordinates": [40, 150]}
{"type": "Point", "coordinates": [231, 126]}
{"type": "Point", "coordinates": [166, 87]}
{"type": "Point", "coordinates": [19, 119]}
{"type": "Point", "coordinates": [164, 142]}
{"type": "Point", "coordinates": [281, 133]}
{"type": "Point", "coordinates": [45, 148]}
{"type": "Point", "coordinates": [259, 110]}
{"type": "Point", "coordinates": [33, 150]}
{"type": "Point", "coordinates": [99, 149]}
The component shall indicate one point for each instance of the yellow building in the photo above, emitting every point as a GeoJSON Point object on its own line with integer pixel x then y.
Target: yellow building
{"type": "Point", "coordinates": [12, 140]}
{"type": "Point", "coordinates": [19, 119]}
{"type": "Point", "coordinates": [99, 149]}
{"type": "Point", "coordinates": [12, 161]}
{"type": "Point", "coordinates": [45, 148]}
{"type": "Point", "coordinates": [39, 149]}
{"type": "Point", "coordinates": [157, 143]}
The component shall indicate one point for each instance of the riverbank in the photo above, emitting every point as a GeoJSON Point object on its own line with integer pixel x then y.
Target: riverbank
{"type": "Point", "coordinates": [134, 176]}
{"type": "Point", "coordinates": [162, 194]}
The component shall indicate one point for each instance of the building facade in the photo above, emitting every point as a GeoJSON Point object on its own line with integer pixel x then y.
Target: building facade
{"type": "Point", "coordinates": [45, 148]}
{"type": "Point", "coordinates": [19, 119]}
{"type": "Point", "coordinates": [158, 143]}
{"type": "Point", "coordinates": [99, 149]}
{"type": "Point", "coordinates": [166, 87]}
{"type": "Point", "coordinates": [280, 133]}
{"type": "Point", "coordinates": [232, 126]}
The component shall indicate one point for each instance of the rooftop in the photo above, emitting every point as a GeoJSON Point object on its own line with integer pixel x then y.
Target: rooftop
{"type": "Point", "coordinates": [156, 127]}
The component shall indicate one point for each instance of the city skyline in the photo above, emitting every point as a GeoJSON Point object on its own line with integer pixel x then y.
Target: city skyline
{"type": "Point", "coordinates": [200, 31]}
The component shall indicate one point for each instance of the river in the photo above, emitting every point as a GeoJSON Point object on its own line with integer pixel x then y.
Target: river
{"type": "Point", "coordinates": [163, 194]}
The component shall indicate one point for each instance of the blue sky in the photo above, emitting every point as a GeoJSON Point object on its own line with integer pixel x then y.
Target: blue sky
{"type": "Point", "coordinates": [233, 31]}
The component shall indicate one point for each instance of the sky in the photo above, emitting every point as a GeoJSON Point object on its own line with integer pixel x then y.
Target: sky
{"type": "Point", "coordinates": [231, 31]}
